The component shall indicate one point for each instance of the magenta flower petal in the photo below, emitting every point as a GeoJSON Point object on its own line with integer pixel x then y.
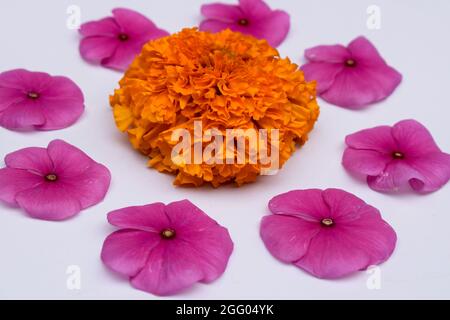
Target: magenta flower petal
{"type": "Point", "coordinates": [54, 183]}
{"type": "Point", "coordinates": [127, 251]}
{"type": "Point", "coordinates": [344, 206]}
{"type": "Point", "coordinates": [218, 25]}
{"type": "Point", "coordinates": [358, 88]}
{"type": "Point", "coordinates": [96, 49]}
{"type": "Point", "coordinates": [183, 214]}
{"type": "Point", "coordinates": [24, 80]}
{"type": "Point", "coordinates": [394, 177]}
{"type": "Point", "coordinates": [287, 237]}
{"type": "Point", "coordinates": [36, 100]}
{"type": "Point", "coordinates": [205, 244]}
{"type": "Point", "coordinates": [424, 174]}
{"type": "Point", "coordinates": [103, 27]}
{"type": "Point", "coordinates": [114, 42]}
{"type": "Point", "coordinates": [60, 114]}
{"type": "Point", "coordinates": [222, 12]}
{"type": "Point", "coordinates": [9, 96]}
{"type": "Point", "coordinates": [434, 170]}
{"type": "Point", "coordinates": [349, 236]}
{"type": "Point", "coordinates": [365, 52]}
{"type": "Point", "coordinates": [170, 269]}
{"type": "Point", "coordinates": [351, 77]}
{"type": "Point", "coordinates": [257, 8]}
{"type": "Point", "coordinates": [22, 115]}
{"type": "Point", "coordinates": [377, 139]}
{"type": "Point", "coordinates": [123, 56]}
{"type": "Point", "coordinates": [290, 203]}
{"type": "Point", "coordinates": [62, 103]}
{"type": "Point", "coordinates": [252, 17]}
{"type": "Point", "coordinates": [151, 217]}
{"type": "Point", "coordinates": [165, 249]}
{"type": "Point", "coordinates": [31, 159]}
{"type": "Point", "coordinates": [357, 245]}
{"type": "Point", "coordinates": [136, 24]}
{"type": "Point", "coordinates": [332, 53]}
{"type": "Point", "coordinates": [323, 73]}
{"type": "Point", "coordinates": [204, 235]}
{"type": "Point", "coordinates": [89, 187]}
{"type": "Point", "coordinates": [409, 134]}
{"type": "Point", "coordinates": [333, 255]}
{"type": "Point", "coordinates": [367, 153]}
{"type": "Point", "coordinates": [393, 158]}
{"type": "Point", "coordinates": [13, 181]}
{"type": "Point", "coordinates": [48, 202]}
{"type": "Point", "coordinates": [275, 27]}
{"type": "Point", "coordinates": [366, 162]}
{"type": "Point", "coordinates": [68, 160]}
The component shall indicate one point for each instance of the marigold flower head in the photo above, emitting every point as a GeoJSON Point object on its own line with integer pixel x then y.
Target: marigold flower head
{"type": "Point", "coordinates": [225, 80]}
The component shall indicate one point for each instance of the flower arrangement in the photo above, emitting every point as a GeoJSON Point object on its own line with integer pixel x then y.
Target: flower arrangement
{"type": "Point", "coordinates": [225, 80]}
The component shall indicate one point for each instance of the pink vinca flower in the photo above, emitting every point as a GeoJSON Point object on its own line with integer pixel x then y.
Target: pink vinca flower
{"type": "Point", "coordinates": [350, 77]}
{"type": "Point", "coordinates": [36, 100]}
{"type": "Point", "coordinates": [252, 17]}
{"type": "Point", "coordinates": [393, 158]}
{"type": "Point", "coordinates": [329, 233]}
{"type": "Point", "coordinates": [53, 183]}
{"type": "Point", "coordinates": [114, 42]}
{"type": "Point", "coordinates": [166, 248]}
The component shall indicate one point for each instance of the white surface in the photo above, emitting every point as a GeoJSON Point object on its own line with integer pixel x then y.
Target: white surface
{"type": "Point", "coordinates": [413, 38]}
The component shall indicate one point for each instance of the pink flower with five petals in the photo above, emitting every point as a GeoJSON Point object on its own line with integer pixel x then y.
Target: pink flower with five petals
{"type": "Point", "coordinates": [351, 77]}
{"type": "Point", "coordinates": [114, 42]}
{"type": "Point", "coordinates": [53, 183]}
{"type": "Point", "coordinates": [37, 100]}
{"type": "Point", "coordinates": [392, 158]}
{"type": "Point", "coordinates": [329, 233]}
{"type": "Point", "coordinates": [252, 17]}
{"type": "Point", "coordinates": [166, 248]}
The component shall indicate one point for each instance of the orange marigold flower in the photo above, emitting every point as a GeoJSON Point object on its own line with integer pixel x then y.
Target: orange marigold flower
{"type": "Point", "coordinates": [224, 80]}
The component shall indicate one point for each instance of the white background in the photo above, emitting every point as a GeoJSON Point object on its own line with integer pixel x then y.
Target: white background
{"type": "Point", "coordinates": [413, 38]}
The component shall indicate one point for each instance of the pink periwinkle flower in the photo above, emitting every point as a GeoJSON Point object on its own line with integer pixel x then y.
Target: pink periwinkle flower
{"type": "Point", "coordinates": [329, 233]}
{"type": "Point", "coordinates": [351, 77]}
{"type": "Point", "coordinates": [252, 17]}
{"type": "Point", "coordinates": [166, 248]}
{"type": "Point", "coordinates": [393, 158]}
{"type": "Point", "coordinates": [37, 100]}
{"type": "Point", "coordinates": [114, 42]}
{"type": "Point", "coordinates": [53, 183]}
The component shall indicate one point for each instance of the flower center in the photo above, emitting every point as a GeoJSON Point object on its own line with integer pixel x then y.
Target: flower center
{"type": "Point", "coordinates": [327, 222]}
{"type": "Point", "coordinates": [123, 37]}
{"type": "Point", "coordinates": [243, 22]}
{"type": "Point", "coordinates": [398, 155]}
{"type": "Point", "coordinates": [168, 234]}
{"type": "Point", "coordinates": [33, 95]}
{"type": "Point", "coordinates": [350, 63]}
{"type": "Point", "coordinates": [51, 177]}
